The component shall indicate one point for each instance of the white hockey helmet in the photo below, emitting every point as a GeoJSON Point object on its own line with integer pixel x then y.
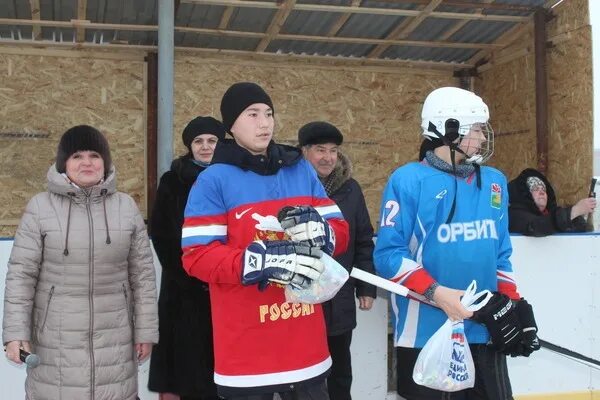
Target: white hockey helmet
{"type": "Point", "coordinates": [458, 108]}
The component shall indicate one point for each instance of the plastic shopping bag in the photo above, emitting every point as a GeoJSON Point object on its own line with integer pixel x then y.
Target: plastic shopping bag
{"type": "Point", "coordinates": [446, 363]}
{"type": "Point", "coordinates": [329, 283]}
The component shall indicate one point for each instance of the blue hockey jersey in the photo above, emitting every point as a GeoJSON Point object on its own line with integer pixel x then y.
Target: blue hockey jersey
{"type": "Point", "coordinates": [416, 246]}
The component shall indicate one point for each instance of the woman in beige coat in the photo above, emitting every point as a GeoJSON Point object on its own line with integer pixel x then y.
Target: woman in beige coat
{"type": "Point", "coordinates": [80, 287]}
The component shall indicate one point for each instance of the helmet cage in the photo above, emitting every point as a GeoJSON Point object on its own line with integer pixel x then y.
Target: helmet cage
{"type": "Point", "coordinates": [477, 142]}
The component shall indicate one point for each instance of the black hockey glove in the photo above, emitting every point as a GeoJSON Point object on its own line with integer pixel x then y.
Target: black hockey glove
{"type": "Point", "coordinates": [304, 224]}
{"type": "Point", "coordinates": [529, 340]}
{"type": "Point", "coordinates": [281, 261]}
{"type": "Point", "coordinates": [501, 320]}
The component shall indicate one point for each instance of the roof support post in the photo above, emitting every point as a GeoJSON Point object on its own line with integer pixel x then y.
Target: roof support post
{"type": "Point", "coordinates": [151, 129]}
{"type": "Point", "coordinates": [541, 90]}
{"type": "Point", "coordinates": [166, 55]}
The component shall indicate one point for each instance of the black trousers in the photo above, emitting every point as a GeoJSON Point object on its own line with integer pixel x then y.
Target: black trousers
{"type": "Point", "coordinates": [314, 392]}
{"type": "Point", "coordinates": [491, 377]}
{"type": "Point", "coordinates": [340, 379]}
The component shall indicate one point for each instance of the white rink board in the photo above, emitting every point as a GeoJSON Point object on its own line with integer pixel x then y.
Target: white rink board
{"type": "Point", "coordinates": [559, 275]}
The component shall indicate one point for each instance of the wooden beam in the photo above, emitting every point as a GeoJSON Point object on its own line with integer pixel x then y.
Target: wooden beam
{"type": "Point", "coordinates": [389, 42]}
{"type": "Point", "coordinates": [226, 17]}
{"type": "Point", "coordinates": [552, 3]}
{"type": "Point", "coordinates": [505, 40]}
{"type": "Point", "coordinates": [335, 61]}
{"type": "Point", "coordinates": [506, 58]}
{"type": "Point", "coordinates": [81, 15]}
{"type": "Point", "coordinates": [256, 35]}
{"type": "Point", "coordinates": [342, 19]}
{"type": "Point", "coordinates": [35, 15]}
{"type": "Point", "coordinates": [404, 30]}
{"type": "Point", "coordinates": [276, 23]}
{"type": "Point", "coordinates": [417, 21]}
{"type": "Point", "coordinates": [51, 51]}
{"type": "Point", "coordinates": [468, 5]}
{"type": "Point", "coordinates": [458, 25]}
{"type": "Point", "coordinates": [359, 10]}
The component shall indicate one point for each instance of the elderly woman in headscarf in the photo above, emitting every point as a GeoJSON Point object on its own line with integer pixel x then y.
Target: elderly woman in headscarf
{"type": "Point", "coordinates": [533, 210]}
{"type": "Point", "coordinates": [80, 287]}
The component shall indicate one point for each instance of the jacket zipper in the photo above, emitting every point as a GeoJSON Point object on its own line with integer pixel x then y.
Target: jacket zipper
{"type": "Point", "coordinates": [91, 299]}
{"type": "Point", "coordinates": [47, 307]}
{"type": "Point", "coordinates": [129, 316]}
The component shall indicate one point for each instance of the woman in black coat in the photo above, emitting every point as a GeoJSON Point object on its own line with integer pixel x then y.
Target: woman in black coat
{"type": "Point", "coordinates": [182, 361]}
{"type": "Point", "coordinates": [533, 210]}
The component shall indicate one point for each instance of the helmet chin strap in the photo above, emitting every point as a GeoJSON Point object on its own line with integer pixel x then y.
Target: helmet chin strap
{"type": "Point", "coordinates": [453, 149]}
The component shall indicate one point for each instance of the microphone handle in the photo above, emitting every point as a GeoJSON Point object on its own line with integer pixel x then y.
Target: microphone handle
{"type": "Point", "coordinates": [32, 360]}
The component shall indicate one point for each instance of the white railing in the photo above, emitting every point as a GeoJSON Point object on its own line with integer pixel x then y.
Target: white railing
{"type": "Point", "coordinates": [559, 275]}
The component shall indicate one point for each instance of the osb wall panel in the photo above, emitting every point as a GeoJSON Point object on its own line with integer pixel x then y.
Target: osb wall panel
{"type": "Point", "coordinates": [509, 90]}
{"type": "Point", "coordinates": [378, 113]}
{"type": "Point", "coordinates": [47, 95]}
{"type": "Point", "coordinates": [570, 100]}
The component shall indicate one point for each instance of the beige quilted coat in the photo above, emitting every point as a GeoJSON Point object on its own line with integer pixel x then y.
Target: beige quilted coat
{"type": "Point", "coordinates": [80, 286]}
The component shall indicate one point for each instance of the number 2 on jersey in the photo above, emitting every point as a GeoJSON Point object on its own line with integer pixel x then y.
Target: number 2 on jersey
{"type": "Point", "coordinates": [389, 213]}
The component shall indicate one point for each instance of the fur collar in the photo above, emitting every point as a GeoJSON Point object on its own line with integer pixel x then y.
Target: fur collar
{"type": "Point", "coordinates": [340, 174]}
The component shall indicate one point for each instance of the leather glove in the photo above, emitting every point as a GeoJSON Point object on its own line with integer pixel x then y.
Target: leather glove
{"type": "Point", "coordinates": [281, 261]}
{"type": "Point", "coordinates": [304, 224]}
{"type": "Point", "coordinates": [529, 340]}
{"type": "Point", "coordinates": [501, 320]}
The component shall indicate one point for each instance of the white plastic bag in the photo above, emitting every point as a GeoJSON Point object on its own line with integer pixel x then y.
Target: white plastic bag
{"type": "Point", "coordinates": [446, 363]}
{"type": "Point", "coordinates": [329, 283]}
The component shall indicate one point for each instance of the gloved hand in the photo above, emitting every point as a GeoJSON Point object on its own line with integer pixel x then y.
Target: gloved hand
{"type": "Point", "coordinates": [304, 224]}
{"type": "Point", "coordinates": [529, 340]}
{"type": "Point", "coordinates": [502, 322]}
{"type": "Point", "coordinates": [281, 261]}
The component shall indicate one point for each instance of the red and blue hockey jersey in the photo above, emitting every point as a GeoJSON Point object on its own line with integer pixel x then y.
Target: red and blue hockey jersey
{"type": "Point", "coordinates": [261, 341]}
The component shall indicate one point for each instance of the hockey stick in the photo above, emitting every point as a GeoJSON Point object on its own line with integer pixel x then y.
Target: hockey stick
{"type": "Point", "coordinates": [359, 274]}
{"type": "Point", "coordinates": [383, 283]}
{"type": "Point", "coordinates": [573, 355]}
{"type": "Point", "coordinates": [404, 291]}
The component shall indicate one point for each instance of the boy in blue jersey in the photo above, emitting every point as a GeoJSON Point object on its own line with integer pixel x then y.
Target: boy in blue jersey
{"type": "Point", "coordinates": [444, 223]}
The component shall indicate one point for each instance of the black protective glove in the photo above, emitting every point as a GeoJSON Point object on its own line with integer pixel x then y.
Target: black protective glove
{"type": "Point", "coordinates": [529, 340]}
{"type": "Point", "coordinates": [502, 322]}
{"type": "Point", "coordinates": [281, 261]}
{"type": "Point", "coordinates": [304, 224]}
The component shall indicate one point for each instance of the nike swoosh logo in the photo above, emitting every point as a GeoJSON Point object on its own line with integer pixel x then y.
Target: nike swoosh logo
{"type": "Point", "coordinates": [441, 194]}
{"type": "Point", "coordinates": [240, 215]}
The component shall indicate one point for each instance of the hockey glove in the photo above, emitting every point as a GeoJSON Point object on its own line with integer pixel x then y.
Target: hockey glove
{"type": "Point", "coordinates": [501, 320]}
{"type": "Point", "coordinates": [281, 261]}
{"type": "Point", "coordinates": [529, 340]}
{"type": "Point", "coordinates": [304, 224]}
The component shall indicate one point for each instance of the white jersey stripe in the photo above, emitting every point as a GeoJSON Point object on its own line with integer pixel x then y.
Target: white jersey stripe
{"type": "Point", "coordinates": [204, 230]}
{"type": "Point", "coordinates": [275, 378]}
{"type": "Point", "coordinates": [409, 333]}
{"type": "Point", "coordinates": [326, 210]}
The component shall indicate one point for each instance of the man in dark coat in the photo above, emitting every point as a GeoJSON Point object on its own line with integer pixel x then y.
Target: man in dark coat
{"type": "Point", "coordinates": [320, 143]}
{"type": "Point", "coordinates": [182, 361]}
{"type": "Point", "coordinates": [533, 210]}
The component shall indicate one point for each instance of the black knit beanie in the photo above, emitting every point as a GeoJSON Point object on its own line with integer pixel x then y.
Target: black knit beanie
{"type": "Point", "coordinates": [238, 97]}
{"type": "Point", "coordinates": [199, 126]}
{"type": "Point", "coordinates": [319, 132]}
{"type": "Point", "coordinates": [82, 138]}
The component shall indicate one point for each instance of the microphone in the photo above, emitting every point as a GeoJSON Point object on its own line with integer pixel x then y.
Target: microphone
{"type": "Point", "coordinates": [31, 360]}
